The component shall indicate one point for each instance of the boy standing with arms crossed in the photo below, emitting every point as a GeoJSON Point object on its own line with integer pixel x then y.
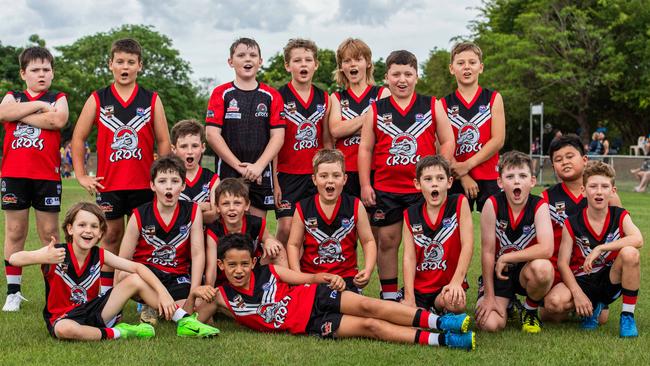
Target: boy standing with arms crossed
{"type": "Point", "coordinates": [478, 120]}
{"type": "Point", "coordinates": [244, 127]}
{"type": "Point", "coordinates": [129, 120]}
{"type": "Point", "coordinates": [30, 165]}
{"type": "Point", "coordinates": [403, 128]}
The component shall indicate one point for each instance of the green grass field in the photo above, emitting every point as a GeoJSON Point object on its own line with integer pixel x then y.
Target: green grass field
{"type": "Point", "coordinates": [25, 340]}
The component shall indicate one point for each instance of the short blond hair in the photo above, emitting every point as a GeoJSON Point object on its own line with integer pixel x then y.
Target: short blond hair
{"type": "Point", "coordinates": [597, 167]}
{"type": "Point", "coordinates": [300, 43]}
{"type": "Point", "coordinates": [326, 156]}
{"type": "Point", "coordinates": [466, 46]}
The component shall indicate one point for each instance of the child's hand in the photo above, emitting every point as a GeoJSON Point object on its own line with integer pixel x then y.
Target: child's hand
{"type": "Point", "coordinates": [361, 279]}
{"type": "Point", "coordinates": [54, 255]}
{"type": "Point", "coordinates": [335, 282]}
{"type": "Point", "coordinates": [589, 261]}
{"type": "Point", "coordinates": [453, 294]}
{"type": "Point", "coordinates": [460, 168]}
{"type": "Point", "coordinates": [500, 267]}
{"type": "Point", "coordinates": [487, 306]}
{"type": "Point", "coordinates": [368, 196]}
{"type": "Point", "coordinates": [205, 206]}
{"type": "Point", "coordinates": [252, 172]}
{"type": "Point", "coordinates": [272, 248]}
{"type": "Point", "coordinates": [582, 304]}
{"type": "Point", "coordinates": [470, 187]}
{"type": "Point", "coordinates": [89, 183]}
{"type": "Point", "coordinates": [46, 107]}
{"type": "Point", "coordinates": [277, 194]}
{"type": "Point", "coordinates": [166, 305]}
{"type": "Point", "coordinates": [205, 293]}
{"type": "Point", "coordinates": [408, 301]}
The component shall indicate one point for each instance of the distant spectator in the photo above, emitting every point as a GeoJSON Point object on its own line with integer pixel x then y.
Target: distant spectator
{"type": "Point", "coordinates": [604, 142]}
{"type": "Point", "coordinates": [640, 174]}
{"type": "Point", "coordinates": [596, 145]}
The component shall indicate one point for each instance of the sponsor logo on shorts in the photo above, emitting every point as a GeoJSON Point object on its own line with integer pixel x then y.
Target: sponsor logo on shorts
{"type": "Point", "coordinates": [52, 201]}
{"type": "Point", "coordinates": [284, 205]}
{"type": "Point", "coordinates": [182, 279]}
{"type": "Point", "coordinates": [262, 111]}
{"type": "Point", "coordinates": [232, 115]}
{"type": "Point", "coordinates": [334, 294]}
{"type": "Point", "coordinates": [326, 329]}
{"type": "Point", "coordinates": [105, 206]}
{"type": "Point", "coordinates": [378, 215]}
{"type": "Point", "coordinates": [9, 199]}
{"type": "Point", "coordinates": [269, 200]}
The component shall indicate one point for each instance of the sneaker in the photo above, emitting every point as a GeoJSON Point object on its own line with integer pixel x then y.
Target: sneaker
{"type": "Point", "coordinates": [530, 322]}
{"type": "Point", "coordinates": [13, 302]}
{"type": "Point", "coordinates": [464, 341]}
{"type": "Point", "coordinates": [457, 323]}
{"type": "Point", "coordinates": [591, 322]}
{"type": "Point", "coordinates": [627, 325]}
{"type": "Point", "coordinates": [149, 315]}
{"type": "Point", "coordinates": [514, 310]}
{"type": "Point", "coordinates": [142, 330]}
{"type": "Point", "coordinates": [189, 326]}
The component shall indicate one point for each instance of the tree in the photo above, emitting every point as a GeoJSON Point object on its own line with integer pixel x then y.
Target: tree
{"type": "Point", "coordinates": [83, 67]}
{"type": "Point", "coordinates": [436, 79]}
{"type": "Point", "coordinates": [379, 73]}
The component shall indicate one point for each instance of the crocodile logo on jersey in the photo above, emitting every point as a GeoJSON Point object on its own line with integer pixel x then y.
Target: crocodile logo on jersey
{"type": "Point", "coordinates": [262, 111]}
{"type": "Point", "coordinates": [467, 141]}
{"type": "Point", "coordinates": [27, 137]}
{"type": "Point", "coordinates": [125, 145]}
{"type": "Point", "coordinates": [78, 295]}
{"type": "Point", "coordinates": [345, 104]}
{"type": "Point", "coordinates": [275, 313]}
{"type": "Point", "coordinates": [403, 150]}
{"type": "Point", "coordinates": [329, 251]}
{"type": "Point", "coordinates": [164, 256]}
{"type": "Point", "coordinates": [306, 136]}
{"type": "Point", "coordinates": [433, 254]}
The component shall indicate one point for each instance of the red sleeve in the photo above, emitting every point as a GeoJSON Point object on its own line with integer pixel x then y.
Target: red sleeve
{"type": "Point", "coordinates": [327, 100]}
{"type": "Point", "coordinates": [136, 214]}
{"type": "Point", "coordinates": [60, 95]}
{"type": "Point", "coordinates": [299, 210]}
{"type": "Point", "coordinates": [277, 105]}
{"type": "Point", "coordinates": [337, 95]}
{"type": "Point", "coordinates": [494, 205]}
{"type": "Point", "coordinates": [262, 227]}
{"type": "Point", "coordinates": [98, 105]}
{"type": "Point", "coordinates": [153, 108]}
{"type": "Point", "coordinates": [567, 225]}
{"type": "Point", "coordinates": [214, 115]}
{"type": "Point", "coordinates": [494, 95]}
{"type": "Point", "coordinates": [620, 222]}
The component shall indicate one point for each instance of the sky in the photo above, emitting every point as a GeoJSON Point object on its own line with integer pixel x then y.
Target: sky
{"type": "Point", "coordinates": [202, 30]}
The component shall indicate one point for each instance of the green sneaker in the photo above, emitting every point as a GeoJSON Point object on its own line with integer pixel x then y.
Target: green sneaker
{"type": "Point", "coordinates": [189, 326]}
{"type": "Point", "coordinates": [142, 330]}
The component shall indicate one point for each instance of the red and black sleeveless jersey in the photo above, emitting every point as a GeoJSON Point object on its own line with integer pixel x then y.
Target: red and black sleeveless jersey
{"type": "Point", "coordinates": [304, 134]}
{"type": "Point", "coordinates": [252, 225]}
{"type": "Point", "coordinates": [31, 152]}
{"type": "Point", "coordinates": [330, 245]}
{"type": "Point", "coordinates": [68, 285]}
{"type": "Point", "coordinates": [585, 238]}
{"type": "Point", "coordinates": [352, 106]}
{"type": "Point", "coordinates": [437, 244]}
{"type": "Point", "coordinates": [125, 138]}
{"type": "Point", "coordinates": [246, 118]}
{"type": "Point", "coordinates": [198, 190]}
{"type": "Point", "coordinates": [472, 125]}
{"type": "Point", "coordinates": [402, 136]}
{"type": "Point", "coordinates": [561, 204]}
{"type": "Point", "coordinates": [270, 305]}
{"type": "Point", "coordinates": [166, 247]}
{"type": "Point", "coordinates": [514, 235]}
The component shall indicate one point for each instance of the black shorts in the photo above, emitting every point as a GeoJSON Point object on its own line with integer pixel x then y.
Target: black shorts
{"type": "Point", "coordinates": [326, 316]}
{"type": "Point", "coordinates": [506, 288]}
{"type": "Point", "coordinates": [89, 313]}
{"type": "Point", "coordinates": [23, 193]}
{"type": "Point", "coordinates": [178, 286]}
{"type": "Point", "coordinates": [390, 207]}
{"type": "Point", "coordinates": [350, 286]}
{"type": "Point", "coordinates": [116, 204]}
{"type": "Point", "coordinates": [598, 287]}
{"type": "Point", "coordinates": [294, 188]}
{"type": "Point", "coordinates": [425, 301]}
{"type": "Point", "coordinates": [486, 188]}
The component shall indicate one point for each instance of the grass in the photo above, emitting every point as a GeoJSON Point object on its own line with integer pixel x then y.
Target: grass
{"type": "Point", "coordinates": [24, 338]}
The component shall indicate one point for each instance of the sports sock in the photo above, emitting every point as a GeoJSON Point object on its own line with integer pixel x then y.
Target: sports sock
{"type": "Point", "coordinates": [427, 338]}
{"type": "Point", "coordinates": [110, 333]}
{"type": "Point", "coordinates": [389, 289]}
{"type": "Point", "coordinates": [629, 300]}
{"type": "Point", "coordinates": [105, 281]}
{"type": "Point", "coordinates": [179, 314]}
{"type": "Point", "coordinates": [530, 304]}
{"type": "Point", "coordinates": [425, 319]}
{"type": "Point", "coordinates": [14, 277]}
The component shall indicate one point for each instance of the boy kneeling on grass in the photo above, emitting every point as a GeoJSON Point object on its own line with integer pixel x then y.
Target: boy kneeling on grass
{"type": "Point", "coordinates": [271, 298]}
{"type": "Point", "coordinates": [73, 307]}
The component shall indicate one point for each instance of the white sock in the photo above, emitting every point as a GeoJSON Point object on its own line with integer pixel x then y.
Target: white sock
{"type": "Point", "coordinates": [179, 314]}
{"type": "Point", "coordinates": [628, 307]}
{"type": "Point", "coordinates": [389, 295]}
{"type": "Point", "coordinates": [432, 320]}
{"type": "Point", "coordinates": [434, 339]}
{"type": "Point", "coordinates": [116, 333]}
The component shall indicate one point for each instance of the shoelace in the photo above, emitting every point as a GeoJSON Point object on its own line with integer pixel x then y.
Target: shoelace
{"type": "Point", "coordinates": [530, 318]}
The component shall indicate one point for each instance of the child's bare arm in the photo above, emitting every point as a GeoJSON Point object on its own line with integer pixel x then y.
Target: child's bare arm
{"type": "Point", "coordinates": [54, 119]}
{"type": "Point", "coordinates": [295, 241]}
{"type": "Point", "coordinates": [211, 260]}
{"type": "Point", "coordinates": [129, 242]}
{"type": "Point", "coordinates": [581, 302]}
{"type": "Point", "coordinates": [81, 132]}
{"type": "Point", "coordinates": [488, 246]}
{"type": "Point", "coordinates": [298, 278]}
{"type": "Point", "coordinates": [45, 255]}
{"type": "Point", "coordinates": [366, 148]}
{"type": "Point", "coordinates": [632, 238]}
{"type": "Point", "coordinates": [198, 249]}
{"type": "Point", "coordinates": [328, 140]}
{"type": "Point", "coordinates": [466, 243]}
{"type": "Point", "coordinates": [11, 110]}
{"type": "Point", "coordinates": [160, 128]}
{"type": "Point", "coordinates": [369, 248]}
{"type": "Point", "coordinates": [409, 263]}
{"type": "Point", "coordinates": [444, 132]}
{"type": "Point", "coordinates": [338, 127]}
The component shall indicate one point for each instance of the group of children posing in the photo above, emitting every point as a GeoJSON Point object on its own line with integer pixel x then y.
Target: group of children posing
{"type": "Point", "coordinates": [375, 165]}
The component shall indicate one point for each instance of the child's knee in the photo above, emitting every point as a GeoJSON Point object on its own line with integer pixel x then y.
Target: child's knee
{"type": "Point", "coordinates": [493, 324]}
{"type": "Point", "coordinates": [66, 330]}
{"type": "Point", "coordinates": [629, 256]}
{"type": "Point", "coordinates": [540, 271]}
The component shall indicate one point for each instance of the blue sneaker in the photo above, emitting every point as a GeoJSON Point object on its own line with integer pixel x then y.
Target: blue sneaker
{"type": "Point", "coordinates": [627, 325]}
{"type": "Point", "coordinates": [457, 323]}
{"type": "Point", "coordinates": [591, 322]}
{"type": "Point", "coordinates": [465, 341]}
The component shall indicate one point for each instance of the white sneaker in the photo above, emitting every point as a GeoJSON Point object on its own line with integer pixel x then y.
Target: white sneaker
{"type": "Point", "coordinates": [13, 302]}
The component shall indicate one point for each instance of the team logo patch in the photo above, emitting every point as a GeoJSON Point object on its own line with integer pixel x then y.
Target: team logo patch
{"type": "Point", "coordinates": [345, 222]}
{"type": "Point", "coordinates": [417, 229]}
{"type": "Point", "coordinates": [183, 279]}
{"type": "Point", "coordinates": [184, 229]}
{"type": "Point", "coordinates": [233, 106]}
{"type": "Point", "coordinates": [291, 107]}
{"type": "Point", "coordinates": [78, 295]}
{"type": "Point", "coordinates": [502, 224]}
{"type": "Point", "coordinates": [149, 231]}
{"type": "Point", "coordinates": [306, 134]}
{"type": "Point", "coordinates": [27, 137]}
{"type": "Point", "coordinates": [467, 141]}
{"type": "Point", "coordinates": [311, 223]}
{"type": "Point", "coordinates": [334, 294]}
{"type": "Point", "coordinates": [205, 187]}
{"type": "Point", "coordinates": [267, 286]}
{"type": "Point", "coordinates": [125, 145]}
{"type": "Point", "coordinates": [560, 208]}
{"type": "Point", "coordinates": [455, 110]}
{"type": "Point", "coordinates": [345, 104]}
{"type": "Point", "coordinates": [388, 118]}
{"type": "Point", "coordinates": [447, 222]}
{"type": "Point", "coordinates": [109, 111]}
{"type": "Point", "coordinates": [320, 108]}
{"type": "Point", "coordinates": [139, 112]}
{"type": "Point", "coordinates": [527, 229]}
{"type": "Point", "coordinates": [106, 207]}
{"type": "Point", "coordinates": [419, 118]}
{"type": "Point", "coordinates": [209, 114]}
{"type": "Point", "coordinates": [9, 199]}
{"type": "Point", "coordinates": [284, 205]}
{"type": "Point", "coordinates": [269, 200]}
{"type": "Point", "coordinates": [378, 215]}
{"type": "Point", "coordinates": [326, 329]}
{"type": "Point", "coordinates": [52, 201]}
{"type": "Point", "coordinates": [262, 111]}
{"type": "Point", "coordinates": [482, 109]}
{"type": "Point", "coordinates": [239, 301]}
